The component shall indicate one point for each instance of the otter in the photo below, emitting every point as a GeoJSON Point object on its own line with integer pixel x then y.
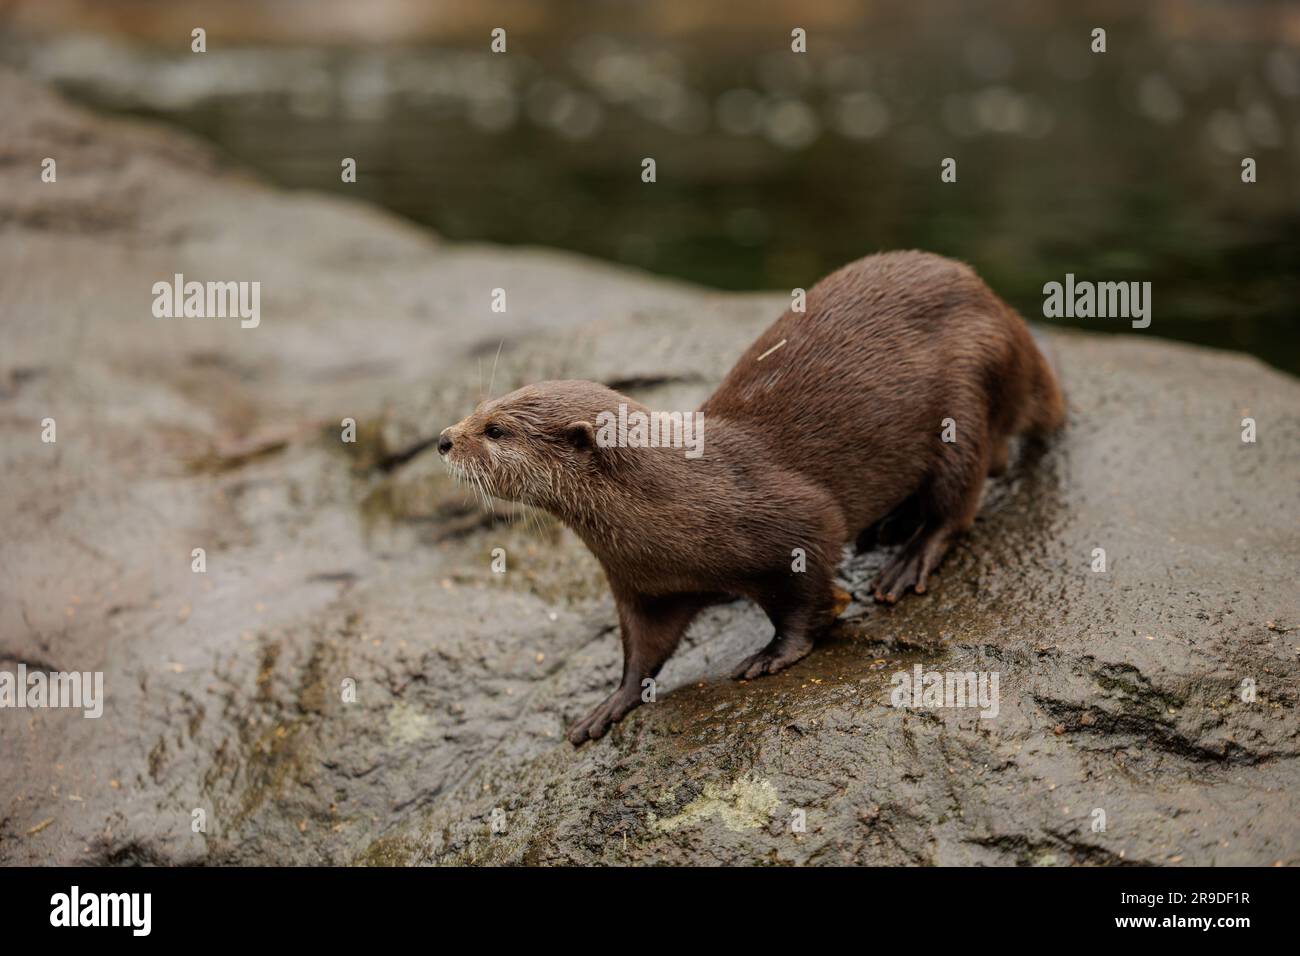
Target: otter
{"type": "Point", "coordinates": [896, 392]}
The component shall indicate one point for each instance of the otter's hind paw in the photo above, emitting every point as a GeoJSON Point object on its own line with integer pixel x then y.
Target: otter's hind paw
{"type": "Point", "coordinates": [777, 656]}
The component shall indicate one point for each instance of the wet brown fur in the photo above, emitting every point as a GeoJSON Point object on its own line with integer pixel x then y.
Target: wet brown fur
{"type": "Point", "coordinates": [806, 444]}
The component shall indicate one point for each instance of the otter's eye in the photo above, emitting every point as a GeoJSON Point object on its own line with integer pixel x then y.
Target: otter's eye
{"type": "Point", "coordinates": [494, 432]}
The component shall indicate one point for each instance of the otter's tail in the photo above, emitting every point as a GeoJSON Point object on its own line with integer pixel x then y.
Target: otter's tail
{"type": "Point", "coordinates": [1046, 411]}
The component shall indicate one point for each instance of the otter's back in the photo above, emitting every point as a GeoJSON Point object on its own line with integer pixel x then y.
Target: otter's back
{"type": "Point", "coordinates": [852, 392]}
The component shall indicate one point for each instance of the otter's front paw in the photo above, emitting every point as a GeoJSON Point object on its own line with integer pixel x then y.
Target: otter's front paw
{"type": "Point", "coordinates": [616, 706]}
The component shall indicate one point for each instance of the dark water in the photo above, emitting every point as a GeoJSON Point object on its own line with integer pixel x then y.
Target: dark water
{"type": "Point", "coordinates": [774, 167]}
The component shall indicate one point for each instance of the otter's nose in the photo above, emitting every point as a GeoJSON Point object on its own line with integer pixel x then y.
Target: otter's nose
{"type": "Point", "coordinates": [444, 442]}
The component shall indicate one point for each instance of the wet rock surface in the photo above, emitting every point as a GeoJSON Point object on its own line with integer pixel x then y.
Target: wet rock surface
{"type": "Point", "coordinates": [330, 562]}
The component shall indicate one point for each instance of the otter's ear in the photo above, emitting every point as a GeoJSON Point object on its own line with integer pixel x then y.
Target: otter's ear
{"type": "Point", "coordinates": [581, 435]}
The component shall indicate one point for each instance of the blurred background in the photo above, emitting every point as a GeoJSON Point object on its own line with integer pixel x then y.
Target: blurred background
{"type": "Point", "coordinates": [773, 168]}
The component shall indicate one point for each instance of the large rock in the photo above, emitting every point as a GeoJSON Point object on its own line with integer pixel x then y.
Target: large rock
{"type": "Point", "coordinates": [327, 562]}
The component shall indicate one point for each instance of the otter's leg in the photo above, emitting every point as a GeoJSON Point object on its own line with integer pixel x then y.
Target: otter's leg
{"type": "Point", "coordinates": [949, 500]}
{"type": "Point", "coordinates": [798, 609]}
{"type": "Point", "coordinates": [651, 629]}
{"type": "Point", "coordinates": [895, 527]}
{"type": "Point", "coordinates": [800, 603]}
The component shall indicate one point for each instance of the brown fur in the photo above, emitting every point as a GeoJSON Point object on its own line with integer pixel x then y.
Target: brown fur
{"type": "Point", "coordinates": [803, 448]}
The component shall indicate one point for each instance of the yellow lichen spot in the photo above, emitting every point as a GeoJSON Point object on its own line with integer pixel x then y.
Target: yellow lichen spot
{"type": "Point", "coordinates": [407, 725]}
{"type": "Point", "coordinates": [746, 804]}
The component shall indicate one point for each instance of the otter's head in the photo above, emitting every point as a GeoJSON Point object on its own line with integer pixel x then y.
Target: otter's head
{"type": "Point", "coordinates": [536, 445]}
